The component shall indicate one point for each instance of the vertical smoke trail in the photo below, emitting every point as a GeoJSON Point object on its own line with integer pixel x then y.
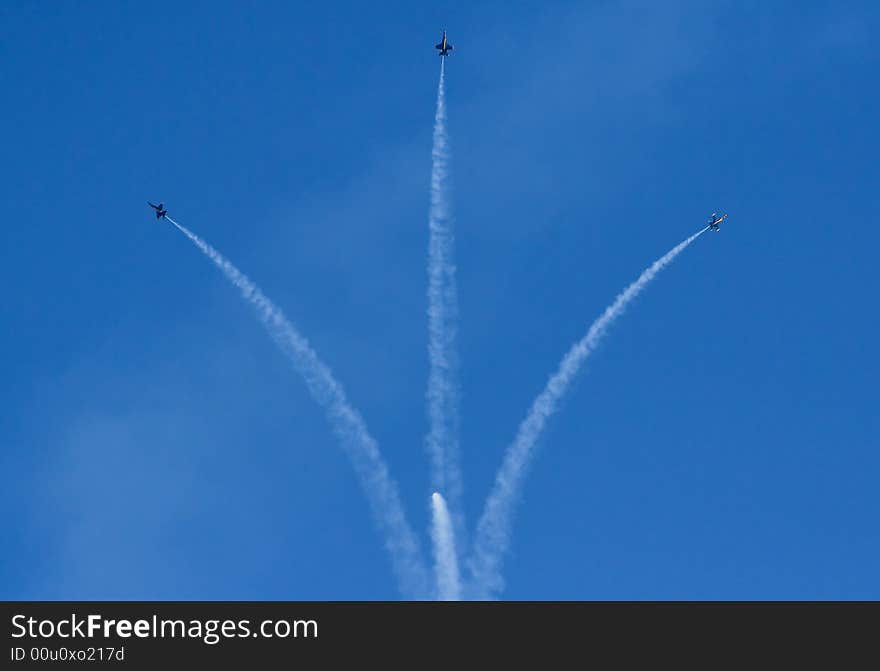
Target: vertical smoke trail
{"type": "Point", "coordinates": [442, 394]}
{"type": "Point", "coordinates": [445, 559]}
{"type": "Point", "coordinates": [493, 530]}
{"type": "Point", "coordinates": [346, 423]}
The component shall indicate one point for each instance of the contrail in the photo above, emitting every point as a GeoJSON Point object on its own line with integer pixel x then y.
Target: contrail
{"type": "Point", "coordinates": [493, 531]}
{"type": "Point", "coordinates": [445, 559]}
{"type": "Point", "coordinates": [347, 424]}
{"type": "Point", "coordinates": [442, 395]}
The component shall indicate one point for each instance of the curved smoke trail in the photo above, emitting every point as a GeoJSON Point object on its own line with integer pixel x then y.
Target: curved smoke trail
{"type": "Point", "coordinates": [442, 394]}
{"type": "Point", "coordinates": [345, 421]}
{"type": "Point", "coordinates": [493, 531]}
{"type": "Point", "coordinates": [445, 559]}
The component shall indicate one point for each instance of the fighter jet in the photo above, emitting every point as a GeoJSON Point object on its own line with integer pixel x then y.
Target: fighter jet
{"type": "Point", "coordinates": [715, 221]}
{"type": "Point", "coordinates": [160, 209]}
{"type": "Point", "coordinates": [444, 46]}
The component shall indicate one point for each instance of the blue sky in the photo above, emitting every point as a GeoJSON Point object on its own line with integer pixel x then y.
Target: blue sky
{"type": "Point", "coordinates": [722, 443]}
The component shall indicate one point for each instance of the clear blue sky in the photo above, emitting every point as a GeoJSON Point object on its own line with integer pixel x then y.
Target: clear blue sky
{"type": "Point", "coordinates": [723, 443]}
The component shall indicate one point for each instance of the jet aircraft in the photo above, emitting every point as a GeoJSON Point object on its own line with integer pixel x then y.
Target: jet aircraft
{"type": "Point", "coordinates": [160, 209]}
{"type": "Point", "coordinates": [715, 221]}
{"type": "Point", "coordinates": [444, 46]}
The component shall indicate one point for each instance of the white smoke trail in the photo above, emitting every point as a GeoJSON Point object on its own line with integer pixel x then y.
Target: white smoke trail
{"type": "Point", "coordinates": [442, 395]}
{"type": "Point", "coordinates": [346, 423]}
{"type": "Point", "coordinates": [493, 531]}
{"type": "Point", "coordinates": [445, 559]}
